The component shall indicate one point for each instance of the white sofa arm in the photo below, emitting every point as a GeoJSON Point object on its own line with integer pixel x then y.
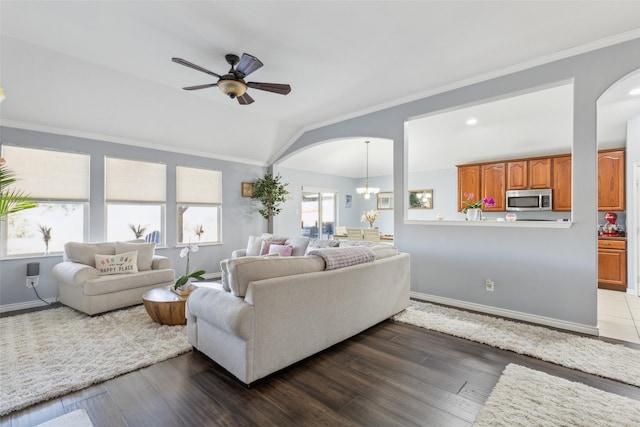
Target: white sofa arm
{"type": "Point", "coordinates": [239, 253]}
{"type": "Point", "coordinates": [74, 273]}
{"type": "Point", "coordinates": [223, 310]}
{"type": "Point", "coordinates": [161, 262]}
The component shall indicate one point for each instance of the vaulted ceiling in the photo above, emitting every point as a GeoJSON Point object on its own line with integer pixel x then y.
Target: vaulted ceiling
{"type": "Point", "coordinates": [103, 69]}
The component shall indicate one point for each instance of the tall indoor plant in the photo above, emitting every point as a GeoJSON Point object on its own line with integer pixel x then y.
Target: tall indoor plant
{"type": "Point", "coordinates": [11, 200]}
{"type": "Point", "coordinates": [271, 192]}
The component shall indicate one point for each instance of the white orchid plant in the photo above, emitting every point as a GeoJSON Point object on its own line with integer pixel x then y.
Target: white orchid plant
{"type": "Point", "coordinates": [198, 274]}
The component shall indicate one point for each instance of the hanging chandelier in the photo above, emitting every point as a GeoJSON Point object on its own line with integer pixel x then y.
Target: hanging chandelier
{"type": "Point", "coordinates": [366, 191]}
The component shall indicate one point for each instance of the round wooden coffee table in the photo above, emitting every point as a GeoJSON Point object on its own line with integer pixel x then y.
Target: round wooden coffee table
{"type": "Point", "coordinates": [165, 306]}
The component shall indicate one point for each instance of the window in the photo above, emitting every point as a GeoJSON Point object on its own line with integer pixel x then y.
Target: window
{"type": "Point", "coordinates": [199, 198]}
{"type": "Point", "coordinates": [135, 194]}
{"type": "Point", "coordinates": [59, 182]}
{"type": "Point", "coordinates": [318, 207]}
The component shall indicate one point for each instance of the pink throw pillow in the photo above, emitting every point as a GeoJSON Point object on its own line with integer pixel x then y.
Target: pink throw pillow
{"type": "Point", "coordinates": [264, 249]}
{"type": "Point", "coordinates": [283, 250]}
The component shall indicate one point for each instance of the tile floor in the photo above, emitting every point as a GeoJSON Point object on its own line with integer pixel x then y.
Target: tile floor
{"type": "Point", "coordinates": [619, 315]}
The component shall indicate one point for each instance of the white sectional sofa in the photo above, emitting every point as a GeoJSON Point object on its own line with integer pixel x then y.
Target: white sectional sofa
{"type": "Point", "coordinates": [274, 311]}
{"type": "Point", "coordinates": [85, 289]}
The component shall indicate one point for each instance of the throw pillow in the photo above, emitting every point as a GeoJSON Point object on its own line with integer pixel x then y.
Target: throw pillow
{"type": "Point", "coordinates": [264, 249]}
{"type": "Point", "coordinates": [254, 245]}
{"type": "Point", "coordinates": [283, 250]}
{"type": "Point", "coordinates": [145, 253]}
{"type": "Point", "coordinates": [117, 264]}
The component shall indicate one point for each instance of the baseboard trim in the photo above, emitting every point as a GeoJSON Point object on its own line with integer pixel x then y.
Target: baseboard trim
{"type": "Point", "coordinates": [212, 276]}
{"type": "Point", "coordinates": [37, 303]}
{"type": "Point", "coordinates": [26, 305]}
{"type": "Point", "coordinates": [511, 314]}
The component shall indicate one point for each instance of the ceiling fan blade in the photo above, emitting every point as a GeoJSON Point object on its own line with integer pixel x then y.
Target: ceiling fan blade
{"type": "Point", "coordinates": [271, 87]}
{"type": "Point", "coordinates": [248, 64]}
{"type": "Point", "coordinates": [194, 66]}
{"type": "Point", "coordinates": [200, 86]}
{"type": "Point", "coordinates": [245, 99]}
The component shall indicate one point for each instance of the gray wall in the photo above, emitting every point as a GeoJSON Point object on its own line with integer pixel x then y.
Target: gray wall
{"type": "Point", "coordinates": [541, 272]}
{"type": "Point", "coordinates": [632, 158]}
{"type": "Point", "coordinates": [239, 215]}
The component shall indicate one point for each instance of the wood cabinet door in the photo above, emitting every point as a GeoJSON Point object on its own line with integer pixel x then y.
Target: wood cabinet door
{"type": "Point", "coordinates": [468, 183]}
{"type": "Point", "coordinates": [562, 183]}
{"type": "Point", "coordinates": [493, 184]}
{"type": "Point", "coordinates": [611, 181]}
{"type": "Point", "coordinates": [517, 175]}
{"type": "Point", "coordinates": [612, 267]}
{"type": "Point", "coordinates": [540, 173]}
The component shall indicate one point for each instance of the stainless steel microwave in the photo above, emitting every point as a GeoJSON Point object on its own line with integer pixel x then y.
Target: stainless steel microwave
{"type": "Point", "coordinates": [529, 200]}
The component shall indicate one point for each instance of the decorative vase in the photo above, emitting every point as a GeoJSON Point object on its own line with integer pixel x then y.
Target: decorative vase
{"type": "Point", "coordinates": [474, 214]}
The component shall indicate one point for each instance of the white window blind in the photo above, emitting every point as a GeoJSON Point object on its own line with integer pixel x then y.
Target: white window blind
{"type": "Point", "coordinates": [49, 175]}
{"type": "Point", "coordinates": [196, 185]}
{"type": "Point", "coordinates": [135, 181]}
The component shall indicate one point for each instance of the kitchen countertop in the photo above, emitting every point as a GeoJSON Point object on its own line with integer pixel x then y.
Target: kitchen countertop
{"type": "Point", "coordinates": [612, 238]}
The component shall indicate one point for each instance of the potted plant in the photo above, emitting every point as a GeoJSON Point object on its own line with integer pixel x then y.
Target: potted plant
{"type": "Point", "coordinates": [11, 200]}
{"type": "Point", "coordinates": [138, 230]}
{"type": "Point", "coordinates": [271, 193]}
{"type": "Point", "coordinates": [181, 286]}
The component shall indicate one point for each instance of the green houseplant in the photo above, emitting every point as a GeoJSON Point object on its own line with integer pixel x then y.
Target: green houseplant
{"type": "Point", "coordinates": [11, 200]}
{"type": "Point", "coordinates": [271, 192]}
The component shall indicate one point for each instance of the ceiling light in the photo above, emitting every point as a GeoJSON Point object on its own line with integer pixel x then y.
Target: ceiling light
{"type": "Point", "coordinates": [635, 91]}
{"type": "Point", "coordinates": [472, 121]}
{"type": "Point", "coordinates": [366, 191]}
{"type": "Point", "coordinates": [232, 88]}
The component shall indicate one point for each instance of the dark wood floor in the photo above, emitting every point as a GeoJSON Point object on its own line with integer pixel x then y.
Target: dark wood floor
{"type": "Point", "coordinates": [391, 375]}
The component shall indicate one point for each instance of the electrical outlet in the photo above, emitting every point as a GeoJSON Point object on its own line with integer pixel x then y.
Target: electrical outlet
{"type": "Point", "coordinates": [489, 285]}
{"type": "Point", "coordinates": [32, 282]}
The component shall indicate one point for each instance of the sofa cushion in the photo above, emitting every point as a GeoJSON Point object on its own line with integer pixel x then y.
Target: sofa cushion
{"type": "Point", "coordinates": [254, 244]}
{"type": "Point", "coordinates": [83, 253]}
{"type": "Point", "coordinates": [115, 283]}
{"type": "Point", "coordinates": [282, 250]}
{"type": "Point", "coordinates": [299, 245]}
{"type": "Point", "coordinates": [384, 251]}
{"type": "Point", "coordinates": [344, 257]}
{"type": "Point", "coordinates": [145, 253]}
{"type": "Point", "coordinates": [266, 244]}
{"type": "Point", "coordinates": [242, 271]}
{"type": "Point", "coordinates": [321, 243]}
{"type": "Point", "coordinates": [125, 263]}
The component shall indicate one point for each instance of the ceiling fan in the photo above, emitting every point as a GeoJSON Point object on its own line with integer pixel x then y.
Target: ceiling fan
{"type": "Point", "coordinates": [232, 84]}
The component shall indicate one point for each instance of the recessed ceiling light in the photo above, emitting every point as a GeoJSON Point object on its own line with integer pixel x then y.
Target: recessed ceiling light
{"type": "Point", "coordinates": [472, 121]}
{"type": "Point", "coordinates": [635, 91]}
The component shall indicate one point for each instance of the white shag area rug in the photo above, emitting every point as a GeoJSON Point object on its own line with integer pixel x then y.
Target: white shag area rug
{"type": "Point", "coordinates": [525, 397]}
{"type": "Point", "coordinates": [78, 418]}
{"type": "Point", "coordinates": [49, 353]}
{"type": "Point", "coordinates": [576, 352]}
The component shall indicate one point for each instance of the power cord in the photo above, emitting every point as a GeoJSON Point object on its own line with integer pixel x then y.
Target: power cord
{"type": "Point", "coordinates": [38, 295]}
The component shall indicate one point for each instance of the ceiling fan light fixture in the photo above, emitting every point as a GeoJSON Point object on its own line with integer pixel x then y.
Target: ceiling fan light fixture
{"type": "Point", "coordinates": [366, 191]}
{"type": "Point", "coordinates": [232, 88]}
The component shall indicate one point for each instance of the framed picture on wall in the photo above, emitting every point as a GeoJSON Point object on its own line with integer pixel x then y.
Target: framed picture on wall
{"type": "Point", "coordinates": [421, 199]}
{"type": "Point", "coordinates": [385, 201]}
{"type": "Point", "coordinates": [247, 189]}
{"type": "Point", "coordinates": [347, 201]}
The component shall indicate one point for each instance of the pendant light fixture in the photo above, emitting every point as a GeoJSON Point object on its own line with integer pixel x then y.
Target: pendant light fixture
{"type": "Point", "coordinates": [366, 191]}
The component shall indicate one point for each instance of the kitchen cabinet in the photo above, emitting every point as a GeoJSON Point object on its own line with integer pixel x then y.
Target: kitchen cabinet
{"type": "Point", "coordinates": [612, 264]}
{"type": "Point", "coordinates": [611, 181]}
{"type": "Point", "coordinates": [539, 173]}
{"type": "Point", "coordinates": [561, 183]}
{"type": "Point", "coordinates": [468, 183]}
{"type": "Point", "coordinates": [517, 175]}
{"type": "Point", "coordinates": [529, 174]}
{"type": "Point", "coordinates": [493, 184]}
